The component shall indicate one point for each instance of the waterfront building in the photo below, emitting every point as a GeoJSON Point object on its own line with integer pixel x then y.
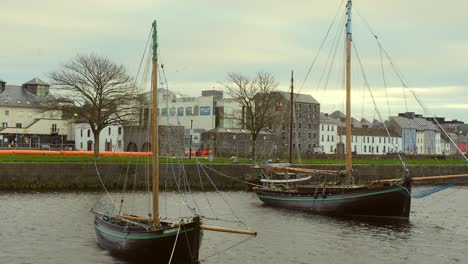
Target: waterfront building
{"type": "Point", "coordinates": [369, 141]}
{"type": "Point", "coordinates": [110, 138]}
{"type": "Point", "coordinates": [228, 142]}
{"type": "Point", "coordinates": [305, 136]}
{"type": "Point", "coordinates": [25, 119]}
{"type": "Point", "coordinates": [419, 135]}
{"type": "Point", "coordinates": [328, 133]}
{"type": "Point", "coordinates": [171, 140]}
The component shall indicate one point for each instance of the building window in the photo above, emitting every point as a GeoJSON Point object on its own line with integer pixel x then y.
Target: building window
{"type": "Point", "coordinates": [18, 125]}
{"type": "Point", "coordinates": [81, 145]}
{"type": "Point", "coordinates": [310, 135]}
{"type": "Point", "coordinates": [322, 138]}
{"type": "Point", "coordinates": [331, 148]}
{"type": "Point", "coordinates": [328, 127]}
{"type": "Point", "coordinates": [109, 131]}
{"type": "Point", "coordinates": [120, 131]}
{"type": "Point", "coordinates": [89, 133]}
{"type": "Point", "coordinates": [7, 112]}
{"type": "Point", "coordinates": [299, 125]}
{"type": "Point", "coordinates": [322, 127]}
{"type": "Point", "coordinates": [196, 109]}
{"type": "Point", "coordinates": [180, 111]}
{"type": "Point", "coordinates": [328, 138]}
{"type": "Point", "coordinates": [188, 111]}
{"type": "Point", "coordinates": [310, 108]}
{"type": "Point", "coordinates": [332, 138]}
{"type": "Point", "coordinates": [164, 112]}
{"type": "Point", "coordinates": [333, 129]}
{"type": "Point", "coordinates": [377, 149]}
{"type": "Point", "coordinates": [4, 124]}
{"type": "Point", "coordinates": [172, 111]}
{"type": "Point", "coordinates": [119, 143]}
{"type": "Point", "coordinates": [365, 149]}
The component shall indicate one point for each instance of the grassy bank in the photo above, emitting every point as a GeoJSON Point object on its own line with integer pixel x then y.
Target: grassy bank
{"type": "Point", "coordinates": [86, 159]}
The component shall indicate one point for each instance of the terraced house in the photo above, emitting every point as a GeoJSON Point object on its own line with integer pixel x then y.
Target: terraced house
{"type": "Point", "coordinates": [420, 136]}
{"type": "Point", "coordinates": [25, 121]}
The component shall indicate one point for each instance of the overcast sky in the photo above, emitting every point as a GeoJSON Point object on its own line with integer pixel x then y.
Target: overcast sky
{"type": "Point", "coordinates": [201, 41]}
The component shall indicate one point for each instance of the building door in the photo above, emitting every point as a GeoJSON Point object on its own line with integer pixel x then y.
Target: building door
{"type": "Point", "coordinates": [90, 146]}
{"type": "Point", "coordinates": [108, 146]}
{"type": "Point", "coordinates": [34, 142]}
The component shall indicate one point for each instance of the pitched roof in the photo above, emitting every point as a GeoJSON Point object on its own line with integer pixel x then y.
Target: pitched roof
{"type": "Point", "coordinates": [338, 114]}
{"type": "Point", "coordinates": [416, 123]}
{"type": "Point", "coordinates": [36, 81]}
{"type": "Point", "coordinates": [300, 98]}
{"type": "Point", "coordinates": [18, 96]}
{"type": "Point", "coordinates": [327, 119]}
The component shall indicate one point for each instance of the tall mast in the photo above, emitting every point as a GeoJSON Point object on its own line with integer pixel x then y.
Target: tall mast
{"type": "Point", "coordinates": [291, 116]}
{"type": "Point", "coordinates": [154, 129]}
{"type": "Point", "coordinates": [348, 91]}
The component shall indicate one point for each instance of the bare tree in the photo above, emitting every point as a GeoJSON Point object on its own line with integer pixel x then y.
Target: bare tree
{"type": "Point", "coordinates": [258, 98]}
{"type": "Point", "coordinates": [96, 91]}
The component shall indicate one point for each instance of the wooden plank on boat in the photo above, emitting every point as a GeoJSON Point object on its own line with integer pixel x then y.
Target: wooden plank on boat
{"type": "Point", "coordinates": [286, 181]}
{"type": "Point", "coordinates": [302, 170]}
{"type": "Point", "coordinates": [425, 179]}
{"type": "Point", "coordinates": [228, 230]}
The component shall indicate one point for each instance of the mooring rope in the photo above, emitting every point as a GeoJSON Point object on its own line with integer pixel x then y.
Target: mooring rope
{"type": "Point", "coordinates": [175, 243]}
{"type": "Point", "coordinates": [230, 177]}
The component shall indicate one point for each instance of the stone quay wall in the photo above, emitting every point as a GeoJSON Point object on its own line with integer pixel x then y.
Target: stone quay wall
{"type": "Point", "coordinates": [26, 176]}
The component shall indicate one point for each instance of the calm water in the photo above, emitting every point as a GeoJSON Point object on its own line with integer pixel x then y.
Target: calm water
{"type": "Point", "coordinates": [57, 228]}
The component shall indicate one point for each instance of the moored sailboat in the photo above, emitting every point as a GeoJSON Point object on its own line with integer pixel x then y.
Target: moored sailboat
{"type": "Point", "coordinates": [389, 199]}
{"type": "Point", "coordinates": [150, 239]}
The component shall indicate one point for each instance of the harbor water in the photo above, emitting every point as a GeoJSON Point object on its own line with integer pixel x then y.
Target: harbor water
{"type": "Point", "coordinates": [57, 227]}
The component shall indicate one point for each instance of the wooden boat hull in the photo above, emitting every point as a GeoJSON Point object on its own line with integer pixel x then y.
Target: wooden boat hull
{"type": "Point", "coordinates": [136, 243]}
{"type": "Point", "coordinates": [391, 202]}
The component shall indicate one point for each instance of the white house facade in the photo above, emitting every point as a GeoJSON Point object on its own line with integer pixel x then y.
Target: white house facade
{"type": "Point", "coordinates": [328, 133]}
{"type": "Point", "coordinates": [371, 141]}
{"type": "Point", "coordinates": [110, 138]}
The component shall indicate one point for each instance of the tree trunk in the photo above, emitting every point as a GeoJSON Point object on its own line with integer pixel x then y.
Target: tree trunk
{"type": "Point", "coordinates": [254, 140]}
{"type": "Point", "coordinates": [96, 144]}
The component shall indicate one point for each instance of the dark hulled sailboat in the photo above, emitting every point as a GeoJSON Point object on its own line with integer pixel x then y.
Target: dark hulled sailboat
{"type": "Point", "coordinates": [380, 199]}
{"type": "Point", "coordinates": [150, 239]}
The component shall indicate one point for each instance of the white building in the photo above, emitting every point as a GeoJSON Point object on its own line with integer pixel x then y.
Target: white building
{"type": "Point", "coordinates": [25, 120]}
{"type": "Point", "coordinates": [328, 133]}
{"type": "Point", "coordinates": [371, 141]}
{"type": "Point", "coordinates": [110, 138]}
{"type": "Point", "coordinates": [190, 112]}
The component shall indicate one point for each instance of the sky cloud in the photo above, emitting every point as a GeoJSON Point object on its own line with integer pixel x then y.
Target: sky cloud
{"type": "Point", "coordinates": [201, 41]}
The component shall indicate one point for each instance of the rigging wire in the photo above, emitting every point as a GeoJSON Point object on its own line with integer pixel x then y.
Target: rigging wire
{"type": "Point", "coordinates": [366, 83]}
{"type": "Point", "coordinates": [321, 45]}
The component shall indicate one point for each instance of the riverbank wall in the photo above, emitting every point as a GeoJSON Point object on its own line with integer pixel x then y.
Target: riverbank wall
{"type": "Point", "coordinates": [27, 176]}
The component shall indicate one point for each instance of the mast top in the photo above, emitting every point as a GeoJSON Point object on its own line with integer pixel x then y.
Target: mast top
{"type": "Point", "coordinates": [155, 41]}
{"type": "Point", "coordinates": [348, 22]}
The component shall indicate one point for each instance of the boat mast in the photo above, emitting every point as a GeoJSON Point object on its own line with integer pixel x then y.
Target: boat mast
{"type": "Point", "coordinates": [348, 91]}
{"type": "Point", "coordinates": [291, 116]}
{"type": "Point", "coordinates": [154, 129]}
